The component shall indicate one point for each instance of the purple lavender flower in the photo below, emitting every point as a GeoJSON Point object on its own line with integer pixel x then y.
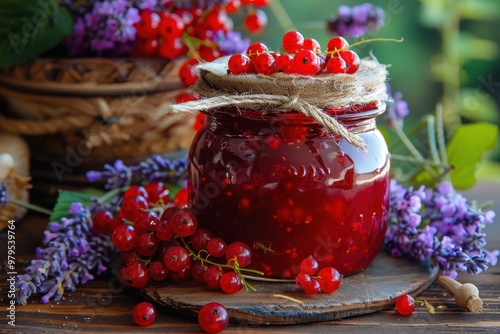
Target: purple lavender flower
{"type": "Point", "coordinates": [231, 42]}
{"type": "Point", "coordinates": [439, 225]}
{"type": "Point", "coordinates": [397, 108]}
{"type": "Point", "coordinates": [69, 254]}
{"type": "Point", "coordinates": [356, 21]}
{"type": "Point", "coordinates": [3, 194]}
{"type": "Point", "coordinates": [154, 168]}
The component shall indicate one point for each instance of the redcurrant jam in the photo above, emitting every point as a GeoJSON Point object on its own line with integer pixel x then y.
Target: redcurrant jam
{"type": "Point", "coordinates": [279, 183]}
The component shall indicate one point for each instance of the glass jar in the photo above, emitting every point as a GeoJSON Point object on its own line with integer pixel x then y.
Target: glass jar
{"type": "Point", "coordinates": [279, 183]}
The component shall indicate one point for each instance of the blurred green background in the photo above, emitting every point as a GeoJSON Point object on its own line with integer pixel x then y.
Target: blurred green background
{"type": "Point", "coordinates": [452, 41]}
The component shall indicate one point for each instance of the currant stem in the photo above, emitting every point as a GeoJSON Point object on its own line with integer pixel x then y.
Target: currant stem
{"type": "Point", "coordinates": [378, 39]}
{"type": "Point", "coordinates": [30, 206]}
{"type": "Point", "coordinates": [301, 303]}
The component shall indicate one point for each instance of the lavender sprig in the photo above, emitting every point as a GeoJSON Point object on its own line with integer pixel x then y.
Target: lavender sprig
{"type": "Point", "coordinates": [154, 168]}
{"type": "Point", "coordinates": [356, 21]}
{"type": "Point", "coordinates": [70, 255]}
{"type": "Point", "coordinates": [439, 225]}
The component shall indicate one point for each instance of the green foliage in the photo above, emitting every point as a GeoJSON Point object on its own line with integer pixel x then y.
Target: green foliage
{"type": "Point", "coordinates": [466, 149]}
{"type": "Point", "coordinates": [477, 105]}
{"type": "Point", "coordinates": [480, 9]}
{"type": "Point", "coordinates": [29, 28]}
{"type": "Point", "coordinates": [64, 201]}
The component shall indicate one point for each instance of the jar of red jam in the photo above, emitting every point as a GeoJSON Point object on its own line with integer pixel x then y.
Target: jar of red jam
{"type": "Point", "coordinates": [282, 184]}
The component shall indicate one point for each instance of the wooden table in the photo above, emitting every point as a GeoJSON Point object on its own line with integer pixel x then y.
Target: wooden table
{"type": "Point", "coordinates": [102, 306]}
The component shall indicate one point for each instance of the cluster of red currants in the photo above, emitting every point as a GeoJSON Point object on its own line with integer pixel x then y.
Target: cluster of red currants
{"type": "Point", "coordinates": [176, 31]}
{"type": "Point", "coordinates": [302, 56]}
{"type": "Point", "coordinates": [313, 280]}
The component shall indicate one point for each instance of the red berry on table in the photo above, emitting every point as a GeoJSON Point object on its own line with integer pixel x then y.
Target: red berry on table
{"type": "Point", "coordinates": [198, 270]}
{"type": "Point", "coordinates": [158, 271]}
{"type": "Point", "coordinates": [322, 64]}
{"type": "Point", "coordinates": [124, 237]}
{"type": "Point", "coordinates": [405, 304]}
{"type": "Point", "coordinates": [146, 245]}
{"type": "Point", "coordinates": [230, 282]}
{"type": "Point", "coordinates": [292, 41]}
{"type": "Point", "coordinates": [157, 191]}
{"type": "Point", "coordinates": [265, 64]}
{"type": "Point", "coordinates": [181, 198]}
{"type": "Point", "coordinates": [256, 21]}
{"type": "Point", "coordinates": [306, 62]}
{"type": "Point", "coordinates": [311, 44]}
{"type": "Point", "coordinates": [241, 252]}
{"type": "Point", "coordinates": [147, 47]}
{"type": "Point", "coordinates": [212, 276]}
{"type": "Point", "coordinates": [144, 314]}
{"type": "Point", "coordinates": [184, 223]}
{"type": "Point", "coordinates": [336, 65]}
{"type": "Point", "coordinates": [188, 73]}
{"type": "Point", "coordinates": [256, 49]}
{"type": "Point", "coordinates": [329, 279]}
{"type": "Point", "coordinates": [180, 276]}
{"type": "Point", "coordinates": [132, 206]}
{"type": "Point", "coordinates": [240, 64]}
{"type": "Point", "coordinates": [335, 44]}
{"type": "Point", "coordinates": [213, 318]}
{"type": "Point", "coordinates": [302, 279]}
{"type": "Point", "coordinates": [200, 238]}
{"type": "Point", "coordinates": [164, 230]}
{"type": "Point", "coordinates": [102, 222]}
{"type": "Point", "coordinates": [147, 27]}
{"type": "Point", "coordinates": [172, 48]}
{"type": "Point", "coordinates": [135, 274]}
{"type": "Point", "coordinates": [176, 258]}
{"type": "Point", "coordinates": [351, 59]}
{"type": "Point", "coordinates": [216, 247]}
{"type": "Point", "coordinates": [145, 222]}
{"type": "Point", "coordinates": [312, 287]}
{"type": "Point", "coordinates": [309, 266]}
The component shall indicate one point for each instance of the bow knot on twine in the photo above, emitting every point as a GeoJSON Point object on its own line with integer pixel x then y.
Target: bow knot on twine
{"type": "Point", "coordinates": [309, 95]}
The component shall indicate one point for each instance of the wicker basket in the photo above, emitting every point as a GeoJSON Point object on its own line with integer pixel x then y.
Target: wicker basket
{"type": "Point", "coordinates": [97, 109]}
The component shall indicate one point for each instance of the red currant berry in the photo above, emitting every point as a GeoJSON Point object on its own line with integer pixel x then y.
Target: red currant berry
{"type": "Point", "coordinates": [181, 198]}
{"type": "Point", "coordinates": [102, 222]}
{"type": "Point", "coordinates": [180, 276]}
{"type": "Point", "coordinates": [312, 287]}
{"type": "Point", "coordinates": [351, 59]}
{"type": "Point", "coordinates": [292, 41]}
{"type": "Point", "coordinates": [135, 274]}
{"type": "Point", "coordinates": [256, 21]}
{"type": "Point", "coordinates": [256, 49]}
{"type": "Point", "coordinates": [145, 222]}
{"type": "Point", "coordinates": [132, 206]}
{"type": "Point", "coordinates": [158, 271]}
{"type": "Point", "coordinates": [216, 247]}
{"type": "Point", "coordinates": [148, 25]}
{"type": "Point", "coordinates": [240, 64]}
{"type": "Point", "coordinates": [336, 65]}
{"type": "Point", "coordinates": [144, 314]}
{"type": "Point", "coordinates": [240, 252]}
{"type": "Point", "coordinates": [329, 279]}
{"type": "Point", "coordinates": [302, 279]}
{"type": "Point", "coordinates": [157, 191]}
{"type": "Point", "coordinates": [184, 223]}
{"type": "Point", "coordinates": [405, 304]}
{"type": "Point", "coordinates": [187, 97]}
{"type": "Point", "coordinates": [322, 64]}
{"type": "Point", "coordinates": [261, 3]}
{"type": "Point", "coordinates": [208, 53]}
{"type": "Point", "coordinates": [335, 44]}
{"type": "Point", "coordinates": [146, 245]}
{"type": "Point", "coordinates": [171, 26]}
{"type": "Point", "coordinates": [135, 191]}
{"type": "Point", "coordinates": [124, 238]}
{"type": "Point", "coordinates": [201, 120]}
{"type": "Point", "coordinates": [217, 19]}
{"type": "Point", "coordinates": [172, 48]}
{"type": "Point", "coordinates": [200, 239]}
{"type": "Point", "coordinates": [233, 6]}
{"type": "Point", "coordinates": [164, 230]}
{"type": "Point", "coordinates": [309, 266]}
{"type": "Point", "coordinates": [147, 47]}
{"type": "Point", "coordinates": [198, 269]}
{"type": "Point", "coordinates": [213, 318]}
{"type": "Point", "coordinates": [283, 63]}
{"type": "Point", "coordinates": [311, 44]}
{"type": "Point", "coordinates": [188, 73]}
{"type": "Point", "coordinates": [265, 64]}
{"type": "Point", "coordinates": [247, 2]}
{"type": "Point", "coordinates": [212, 276]}
{"type": "Point", "coordinates": [230, 282]}
{"type": "Point", "coordinates": [305, 62]}
{"type": "Point", "coordinates": [176, 258]}
{"type": "Point", "coordinates": [127, 257]}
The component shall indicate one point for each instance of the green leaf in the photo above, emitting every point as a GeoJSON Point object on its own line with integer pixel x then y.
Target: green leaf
{"type": "Point", "coordinates": [477, 105]}
{"type": "Point", "coordinates": [433, 13]}
{"type": "Point", "coordinates": [466, 150]}
{"type": "Point", "coordinates": [28, 29]}
{"type": "Point", "coordinates": [471, 47]}
{"type": "Point", "coordinates": [64, 201]}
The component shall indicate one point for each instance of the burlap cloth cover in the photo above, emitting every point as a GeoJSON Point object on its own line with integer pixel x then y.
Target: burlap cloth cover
{"type": "Point", "coordinates": [310, 95]}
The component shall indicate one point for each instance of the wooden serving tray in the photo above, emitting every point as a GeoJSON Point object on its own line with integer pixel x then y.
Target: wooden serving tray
{"type": "Point", "coordinates": [372, 290]}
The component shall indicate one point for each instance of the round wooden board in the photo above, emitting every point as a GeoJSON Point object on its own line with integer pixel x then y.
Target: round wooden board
{"type": "Point", "coordinates": [369, 291]}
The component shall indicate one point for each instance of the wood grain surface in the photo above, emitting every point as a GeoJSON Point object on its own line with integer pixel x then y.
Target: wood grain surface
{"type": "Point", "coordinates": [102, 306]}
